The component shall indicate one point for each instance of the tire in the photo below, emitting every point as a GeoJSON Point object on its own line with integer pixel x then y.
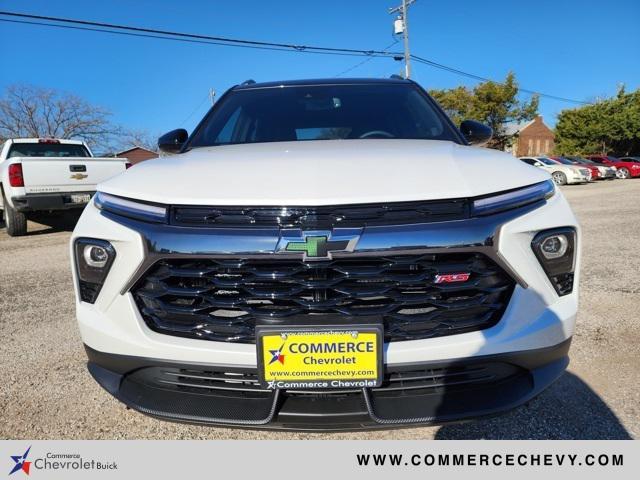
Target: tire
{"type": "Point", "coordinates": [16, 222]}
{"type": "Point", "coordinates": [623, 173]}
{"type": "Point", "coordinates": [559, 178]}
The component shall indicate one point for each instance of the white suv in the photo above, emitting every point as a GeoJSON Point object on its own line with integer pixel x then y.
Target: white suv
{"type": "Point", "coordinates": [327, 255]}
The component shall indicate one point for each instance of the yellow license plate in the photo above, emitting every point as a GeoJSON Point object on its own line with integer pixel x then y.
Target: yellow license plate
{"type": "Point", "coordinates": [325, 358]}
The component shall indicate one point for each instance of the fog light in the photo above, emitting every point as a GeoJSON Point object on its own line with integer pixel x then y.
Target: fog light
{"type": "Point", "coordinates": [93, 261]}
{"type": "Point", "coordinates": [556, 252]}
{"type": "Point", "coordinates": [95, 256]}
{"type": "Point", "coordinates": [554, 246]}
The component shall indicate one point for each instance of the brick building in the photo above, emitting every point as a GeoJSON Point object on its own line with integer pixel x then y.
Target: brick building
{"type": "Point", "coordinates": [137, 154]}
{"type": "Point", "coordinates": [531, 138]}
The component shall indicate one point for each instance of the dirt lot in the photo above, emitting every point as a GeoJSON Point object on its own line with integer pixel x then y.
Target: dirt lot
{"type": "Point", "coordinates": [45, 391]}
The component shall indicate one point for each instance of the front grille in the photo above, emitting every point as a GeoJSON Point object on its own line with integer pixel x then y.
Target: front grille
{"type": "Point", "coordinates": [397, 213]}
{"type": "Point", "coordinates": [221, 299]}
{"type": "Point", "coordinates": [409, 380]}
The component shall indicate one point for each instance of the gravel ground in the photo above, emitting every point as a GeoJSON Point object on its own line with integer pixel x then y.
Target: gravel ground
{"type": "Point", "coordinates": [46, 392]}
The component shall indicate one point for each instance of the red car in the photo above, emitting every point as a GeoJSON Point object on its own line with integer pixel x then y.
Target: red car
{"type": "Point", "coordinates": [626, 169]}
{"type": "Point", "coordinates": [595, 173]}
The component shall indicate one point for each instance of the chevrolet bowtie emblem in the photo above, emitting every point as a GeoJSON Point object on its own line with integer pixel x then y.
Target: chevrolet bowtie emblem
{"type": "Point", "coordinates": [78, 176]}
{"type": "Point", "coordinates": [317, 245]}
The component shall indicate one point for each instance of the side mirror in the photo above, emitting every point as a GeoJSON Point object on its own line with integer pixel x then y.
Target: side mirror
{"type": "Point", "coordinates": [172, 141]}
{"type": "Point", "coordinates": [538, 164]}
{"type": "Point", "coordinates": [476, 133]}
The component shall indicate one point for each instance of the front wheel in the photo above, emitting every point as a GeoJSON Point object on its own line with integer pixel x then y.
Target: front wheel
{"type": "Point", "coordinates": [559, 178]}
{"type": "Point", "coordinates": [15, 221]}
{"type": "Point", "coordinates": [623, 173]}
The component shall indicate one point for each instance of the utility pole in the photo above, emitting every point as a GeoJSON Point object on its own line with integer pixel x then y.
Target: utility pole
{"type": "Point", "coordinates": [402, 26]}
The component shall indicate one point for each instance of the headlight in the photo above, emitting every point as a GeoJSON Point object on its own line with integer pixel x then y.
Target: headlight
{"type": "Point", "coordinates": [513, 198]}
{"type": "Point", "coordinates": [556, 252]}
{"type": "Point", "coordinates": [145, 211]}
{"type": "Point", "coordinates": [93, 262]}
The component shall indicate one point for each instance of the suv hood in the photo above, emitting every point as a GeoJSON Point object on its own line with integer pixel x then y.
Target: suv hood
{"type": "Point", "coordinates": [323, 172]}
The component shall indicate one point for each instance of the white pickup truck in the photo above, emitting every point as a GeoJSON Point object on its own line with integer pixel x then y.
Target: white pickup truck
{"type": "Point", "coordinates": [42, 174]}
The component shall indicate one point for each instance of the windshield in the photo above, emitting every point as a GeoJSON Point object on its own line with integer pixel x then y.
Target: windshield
{"type": "Point", "coordinates": [47, 150]}
{"type": "Point", "coordinates": [323, 112]}
{"type": "Point", "coordinates": [566, 161]}
{"type": "Point", "coordinates": [547, 161]}
{"type": "Point", "coordinates": [585, 161]}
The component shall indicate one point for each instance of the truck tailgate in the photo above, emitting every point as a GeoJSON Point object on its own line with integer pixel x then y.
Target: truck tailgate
{"type": "Point", "coordinates": [67, 174]}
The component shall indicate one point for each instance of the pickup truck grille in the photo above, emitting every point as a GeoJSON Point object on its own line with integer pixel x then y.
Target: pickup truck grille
{"type": "Point", "coordinates": [220, 299]}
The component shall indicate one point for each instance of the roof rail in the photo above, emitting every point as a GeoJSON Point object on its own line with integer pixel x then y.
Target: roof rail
{"type": "Point", "coordinates": [248, 82]}
{"type": "Point", "coordinates": [397, 77]}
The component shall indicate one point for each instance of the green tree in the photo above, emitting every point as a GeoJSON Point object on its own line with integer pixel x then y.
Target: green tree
{"type": "Point", "coordinates": [493, 103]}
{"type": "Point", "coordinates": [609, 126]}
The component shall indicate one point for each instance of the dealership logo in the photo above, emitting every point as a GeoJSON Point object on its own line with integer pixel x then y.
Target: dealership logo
{"type": "Point", "coordinates": [316, 245]}
{"type": "Point", "coordinates": [21, 463]}
{"type": "Point", "coordinates": [277, 355]}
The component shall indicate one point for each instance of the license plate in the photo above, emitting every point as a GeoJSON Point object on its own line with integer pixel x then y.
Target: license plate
{"type": "Point", "coordinates": [80, 198]}
{"type": "Point", "coordinates": [301, 357]}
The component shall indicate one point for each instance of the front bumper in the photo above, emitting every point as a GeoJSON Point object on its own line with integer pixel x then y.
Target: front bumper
{"type": "Point", "coordinates": [48, 201]}
{"type": "Point", "coordinates": [578, 178]}
{"type": "Point", "coordinates": [226, 396]}
{"type": "Point", "coordinates": [535, 321]}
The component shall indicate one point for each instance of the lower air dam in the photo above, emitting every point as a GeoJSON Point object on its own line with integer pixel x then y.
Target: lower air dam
{"type": "Point", "coordinates": [323, 384]}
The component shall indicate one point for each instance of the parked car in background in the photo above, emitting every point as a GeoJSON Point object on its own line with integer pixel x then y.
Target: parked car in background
{"type": "Point", "coordinates": [561, 174]}
{"type": "Point", "coordinates": [630, 159]}
{"type": "Point", "coordinates": [606, 172]}
{"type": "Point", "coordinates": [46, 174]}
{"type": "Point", "coordinates": [593, 170]}
{"type": "Point", "coordinates": [625, 169]}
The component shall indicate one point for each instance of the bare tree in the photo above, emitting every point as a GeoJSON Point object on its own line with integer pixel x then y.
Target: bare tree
{"type": "Point", "coordinates": [138, 138]}
{"type": "Point", "coordinates": [30, 111]}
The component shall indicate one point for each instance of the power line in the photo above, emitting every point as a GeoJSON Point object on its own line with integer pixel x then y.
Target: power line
{"type": "Point", "coordinates": [181, 36]}
{"type": "Point", "coordinates": [359, 64]}
{"type": "Point", "coordinates": [208, 97]}
{"type": "Point", "coordinates": [485, 79]}
{"type": "Point", "coordinates": [73, 24]}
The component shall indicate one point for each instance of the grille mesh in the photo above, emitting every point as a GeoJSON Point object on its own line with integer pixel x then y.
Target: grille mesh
{"type": "Point", "coordinates": [221, 299]}
{"type": "Point", "coordinates": [397, 213]}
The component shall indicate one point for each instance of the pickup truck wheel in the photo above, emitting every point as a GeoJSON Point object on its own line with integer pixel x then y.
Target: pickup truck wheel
{"type": "Point", "coordinates": [623, 173]}
{"type": "Point", "coordinates": [16, 222]}
{"type": "Point", "coordinates": [559, 178]}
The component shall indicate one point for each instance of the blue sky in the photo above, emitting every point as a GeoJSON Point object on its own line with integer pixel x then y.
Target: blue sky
{"type": "Point", "coordinates": [580, 49]}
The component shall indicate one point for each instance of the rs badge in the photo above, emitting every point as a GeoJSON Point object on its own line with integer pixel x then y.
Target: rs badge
{"type": "Point", "coordinates": [452, 277]}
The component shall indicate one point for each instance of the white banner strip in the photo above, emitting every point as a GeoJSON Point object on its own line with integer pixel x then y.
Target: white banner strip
{"type": "Point", "coordinates": [333, 460]}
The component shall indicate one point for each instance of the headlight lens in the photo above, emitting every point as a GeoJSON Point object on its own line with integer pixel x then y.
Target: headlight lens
{"type": "Point", "coordinates": [556, 252]}
{"type": "Point", "coordinates": [514, 198]}
{"type": "Point", "coordinates": [145, 211]}
{"type": "Point", "coordinates": [93, 262]}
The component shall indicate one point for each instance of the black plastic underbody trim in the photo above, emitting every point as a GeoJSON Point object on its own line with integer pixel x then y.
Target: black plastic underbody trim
{"type": "Point", "coordinates": [130, 379]}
